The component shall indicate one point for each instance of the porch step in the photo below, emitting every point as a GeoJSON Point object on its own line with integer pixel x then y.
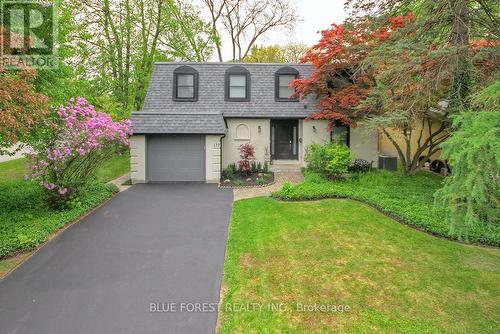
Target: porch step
{"type": "Point", "coordinates": [285, 166]}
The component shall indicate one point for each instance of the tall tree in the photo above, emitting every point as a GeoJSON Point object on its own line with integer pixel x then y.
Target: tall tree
{"type": "Point", "coordinates": [379, 70]}
{"type": "Point", "coordinates": [471, 194]}
{"type": "Point", "coordinates": [450, 23]}
{"type": "Point", "coordinates": [65, 81]}
{"type": "Point", "coordinates": [291, 53]}
{"type": "Point", "coordinates": [244, 22]}
{"type": "Point", "coordinates": [120, 41]}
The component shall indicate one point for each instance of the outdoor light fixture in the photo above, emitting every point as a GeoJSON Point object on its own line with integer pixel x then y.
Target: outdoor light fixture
{"type": "Point", "coordinates": [314, 128]}
{"type": "Point", "coordinates": [259, 129]}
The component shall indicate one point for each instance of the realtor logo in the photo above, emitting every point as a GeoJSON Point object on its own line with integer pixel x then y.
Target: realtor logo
{"type": "Point", "coordinates": [28, 34]}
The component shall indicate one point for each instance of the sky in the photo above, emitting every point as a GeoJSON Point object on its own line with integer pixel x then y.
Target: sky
{"type": "Point", "coordinates": [315, 15]}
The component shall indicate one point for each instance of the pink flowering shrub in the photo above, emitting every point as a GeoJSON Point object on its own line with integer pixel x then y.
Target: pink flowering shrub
{"type": "Point", "coordinates": [77, 142]}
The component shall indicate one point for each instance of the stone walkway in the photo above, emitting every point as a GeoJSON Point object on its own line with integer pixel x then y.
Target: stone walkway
{"type": "Point", "coordinates": [119, 182]}
{"type": "Point", "coordinates": [280, 179]}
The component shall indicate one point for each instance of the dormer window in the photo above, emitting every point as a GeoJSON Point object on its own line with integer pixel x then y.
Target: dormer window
{"type": "Point", "coordinates": [283, 77]}
{"type": "Point", "coordinates": [185, 84]}
{"type": "Point", "coordinates": [237, 84]}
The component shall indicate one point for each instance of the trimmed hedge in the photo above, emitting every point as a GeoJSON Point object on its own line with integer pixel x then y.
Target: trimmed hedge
{"type": "Point", "coordinates": [408, 199]}
{"type": "Point", "coordinates": [27, 221]}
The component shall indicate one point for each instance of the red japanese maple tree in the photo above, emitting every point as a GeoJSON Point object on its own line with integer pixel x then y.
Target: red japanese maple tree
{"type": "Point", "coordinates": [247, 154]}
{"type": "Point", "coordinates": [379, 70]}
{"type": "Point", "coordinates": [339, 78]}
{"type": "Point", "coordinates": [21, 107]}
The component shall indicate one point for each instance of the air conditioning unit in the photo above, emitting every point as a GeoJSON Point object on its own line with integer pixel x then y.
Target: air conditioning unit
{"type": "Point", "coordinates": [387, 162]}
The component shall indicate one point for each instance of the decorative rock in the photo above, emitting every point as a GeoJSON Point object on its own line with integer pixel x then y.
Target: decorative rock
{"type": "Point", "coordinates": [227, 181]}
{"type": "Point", "coordinates": [249, 179]}
{"type": "Point", "coordinates": [260, 174]}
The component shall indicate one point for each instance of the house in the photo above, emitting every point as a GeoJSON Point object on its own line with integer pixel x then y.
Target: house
{"type": "Point", "coordinates": [196, 115]}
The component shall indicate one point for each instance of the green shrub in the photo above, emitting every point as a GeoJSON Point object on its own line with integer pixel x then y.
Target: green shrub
{"type": "Point", "coordinates": [266, 167]}
{"type": "Point", "coordinates": [287, 189]}
{"type": "Point", "coordinates": [316, 157]}
{"type": "Point", "coordinates": [255, 168]}
{"type": "Point", "coordinates": [259, 167]}
{"type": "Point", "coordinates": [330, 159]}
{"type": "Point", "coordinates": [238, 183]}
{"type": "Point", "coordinates": [261, 181]}
{"type": "Point", "coordinates": [229, 171]}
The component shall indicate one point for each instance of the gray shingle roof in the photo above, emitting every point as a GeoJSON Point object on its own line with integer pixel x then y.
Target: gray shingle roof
{"type": "Point", "coordinates": [205, 113]}
{"type": "Point", "coordinates": [204, 123]}
{"type": "Point", "coordinates": [211, 91]}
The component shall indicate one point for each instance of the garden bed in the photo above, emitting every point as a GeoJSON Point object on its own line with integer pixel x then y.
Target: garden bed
{"type": "Point", "coordinates": [246, 181]}
{"type": "Point", "coordinates": [27, 221]}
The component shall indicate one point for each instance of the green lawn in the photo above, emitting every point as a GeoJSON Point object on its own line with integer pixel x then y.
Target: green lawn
{"type": "Point", "coordinates": [111, 169]}
{"type": "Point", "coordinates": [114, 167]}
{"type": "Point", "coordinates": [408, 199]}
{"type": "Point", "coordinates": [26, 220]}
{"type": "Point", "coordinates": [13, 170]}
{"type": "Point", "coordinates": [393, 278]}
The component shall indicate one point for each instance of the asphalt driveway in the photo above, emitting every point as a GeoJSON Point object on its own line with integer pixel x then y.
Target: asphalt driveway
{"type": "Point", "coordinates": [148, 261]}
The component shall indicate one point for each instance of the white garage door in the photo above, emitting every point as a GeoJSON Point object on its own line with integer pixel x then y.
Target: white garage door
{"type": "Point", "coordinates": [176, 158]}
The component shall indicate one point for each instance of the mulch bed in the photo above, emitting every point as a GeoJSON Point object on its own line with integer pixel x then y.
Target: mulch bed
{"type": "Point", "coordinates": [251, 180]}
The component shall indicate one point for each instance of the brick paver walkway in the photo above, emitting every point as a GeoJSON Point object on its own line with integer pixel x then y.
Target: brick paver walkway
{"type": "Point", "coordinates": [280, 178]}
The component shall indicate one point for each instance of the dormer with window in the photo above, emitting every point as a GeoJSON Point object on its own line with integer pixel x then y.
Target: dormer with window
{"type": "Point", "coordinates": [282, 78]}
{"type": "Point", "coordinates": [237, 82]}
{"type": "Point", "coordinates": [185, 84]}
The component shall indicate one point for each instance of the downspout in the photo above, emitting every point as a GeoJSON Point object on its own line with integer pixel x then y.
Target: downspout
{"type": "Point", "coordinates": [221, 148]}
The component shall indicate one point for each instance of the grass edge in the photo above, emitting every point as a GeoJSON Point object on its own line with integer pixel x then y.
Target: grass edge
{"type": "Point", "coordinates": [55, 234]}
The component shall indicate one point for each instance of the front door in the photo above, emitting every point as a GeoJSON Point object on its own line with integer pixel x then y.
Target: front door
{"type": "Point", "coordinates": [284, 139]}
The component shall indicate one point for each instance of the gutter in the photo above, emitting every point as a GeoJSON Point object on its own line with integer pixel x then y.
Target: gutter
{"type": "Point", "coordinates": [221, 147]}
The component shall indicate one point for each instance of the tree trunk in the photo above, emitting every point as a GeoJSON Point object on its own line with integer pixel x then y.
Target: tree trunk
{"type": "Point", "coordinates": [412, 162]}
{"type": "Point", "coordinates": [459, 38]}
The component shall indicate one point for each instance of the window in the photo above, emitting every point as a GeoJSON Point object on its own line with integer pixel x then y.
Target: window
{"type": "Point", "coordinates": [237, 84]}
{"type": "Point", "coordinates": [185, 84]}
{"type": "Point", "coordinates": [340, 133]}
{"type": "Point", "coordinates": [283, 77]}
{"type": "Point", "coordinates": [284, 89]}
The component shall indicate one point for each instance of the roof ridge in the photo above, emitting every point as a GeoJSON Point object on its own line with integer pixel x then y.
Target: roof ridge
{"type": "Point", "coordinates": [176, 113]}
{"type": "Point", "coordinates": [226, 63]}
